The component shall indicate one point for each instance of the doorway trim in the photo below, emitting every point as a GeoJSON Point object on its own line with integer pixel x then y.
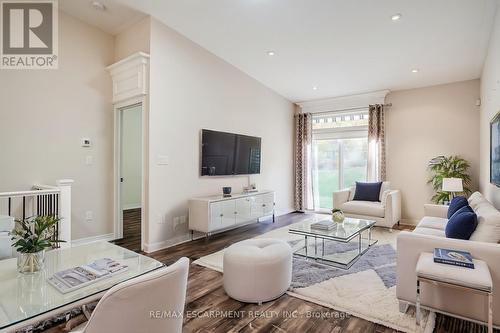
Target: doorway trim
{"type": "Point", "coordinates": [130, 79]}
{"type": "Point", "coordinates": [118, 213]}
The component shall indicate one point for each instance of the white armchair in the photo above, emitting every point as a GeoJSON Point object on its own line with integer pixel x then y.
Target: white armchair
{"type": "Point", "coordinates": [386, 212]}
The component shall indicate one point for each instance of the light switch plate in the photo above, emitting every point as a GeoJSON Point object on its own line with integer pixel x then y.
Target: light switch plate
{"type": "Point", "coordinates": [162, 160]}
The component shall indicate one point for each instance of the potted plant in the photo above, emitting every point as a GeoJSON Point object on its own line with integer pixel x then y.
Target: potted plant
{"type": "Point", "coordinates": [31, 237]}
{"type": "Point", "coordinates": [448, 167]}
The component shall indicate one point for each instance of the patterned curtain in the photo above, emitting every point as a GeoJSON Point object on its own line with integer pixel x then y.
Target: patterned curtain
{"type": "Point", "coordinates": [376, 143]}
{"type": "Point", "coordinates": [303, 138]}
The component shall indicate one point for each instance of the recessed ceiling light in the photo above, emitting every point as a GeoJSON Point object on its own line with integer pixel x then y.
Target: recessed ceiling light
{"type": "Point", "coordinates": [98, 5]}
{"type": "Point", "coordinates": [271, 53]}
{"type": "Point", "coordinates": [414, 70]}
{"type": "Point", "coordinates": [396, 17]}
{"type": "Point", "coordinates": [315, 88]}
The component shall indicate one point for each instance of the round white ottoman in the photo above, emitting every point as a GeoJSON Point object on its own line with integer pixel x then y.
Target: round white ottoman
{"type": "Point", "coordinates": [257, 270]}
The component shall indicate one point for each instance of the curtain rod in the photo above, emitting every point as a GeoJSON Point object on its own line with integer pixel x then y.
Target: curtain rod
{"type": "Point", "coordinates": [349, 109]}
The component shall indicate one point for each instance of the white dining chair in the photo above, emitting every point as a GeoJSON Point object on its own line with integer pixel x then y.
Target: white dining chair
{"type": "Point", "coordinates": [150, 303]}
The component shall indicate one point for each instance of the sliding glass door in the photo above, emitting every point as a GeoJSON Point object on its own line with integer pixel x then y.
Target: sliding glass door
{"type": "Point", "coordinates": [339, 158]}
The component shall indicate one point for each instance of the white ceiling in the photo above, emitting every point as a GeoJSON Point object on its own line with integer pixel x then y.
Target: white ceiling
{"type": "Point", "coordinates": [114, 19]}
{"type": "Point", "coordinates": [341, 46]}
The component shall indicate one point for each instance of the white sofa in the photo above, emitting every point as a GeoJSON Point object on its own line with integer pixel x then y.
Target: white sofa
{"type": "Point", "coordinates": [385, 212]}
{"type": "Point", "coordinates": [429, 234]}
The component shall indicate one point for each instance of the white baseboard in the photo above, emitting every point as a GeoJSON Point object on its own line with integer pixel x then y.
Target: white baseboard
{"type": "Point", "coordinates": [153, 247]}
{"type": "Point", "coordinates": [409, 221]}
{"type": "Point", "coordinates": [93, 239]}
{"type": "Point", "coordinates": [280, 212]}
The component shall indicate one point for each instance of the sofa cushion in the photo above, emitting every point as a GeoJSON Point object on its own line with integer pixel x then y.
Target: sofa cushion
{"type": "Point", "coordinates": [475, 199]}
{"type": "Point", "coordinates": [455, 204]}
{"type": "Point", "coordinates": [367, 191]}
{"type": "Point", "coordinates": [461, 224]}
{"type": "Point", "coordinates": [488, 221]}
{"type": "Point", "coordinates": [433, 222]}
{"type": "Point", "coordinates": [429, 231]}
{"type": "Point", "coordinates": [368, 208]}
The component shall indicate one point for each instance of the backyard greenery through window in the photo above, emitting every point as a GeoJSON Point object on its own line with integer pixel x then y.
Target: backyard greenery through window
{"type": "Point", "coordinates": [339, 154]}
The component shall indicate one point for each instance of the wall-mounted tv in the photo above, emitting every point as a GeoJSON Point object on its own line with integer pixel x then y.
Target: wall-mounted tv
{"type": "Point", "coordinates": [225, 154]}
{"type": "Point", "coordinates": [495, 150]}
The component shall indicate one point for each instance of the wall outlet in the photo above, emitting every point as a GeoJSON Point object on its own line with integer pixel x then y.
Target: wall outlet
{"type": "Point", "coordinates": [89, 216]}
{"type": "Point", "coordinates": [161, 219]}
{"type": "Point", "coordinates": [183, 219]}
{"type": "Point", "coordinates": [176, 222]}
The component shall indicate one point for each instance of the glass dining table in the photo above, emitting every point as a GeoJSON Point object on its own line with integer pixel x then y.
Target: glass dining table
{"type": "Point", "coordinates": [26, 299]}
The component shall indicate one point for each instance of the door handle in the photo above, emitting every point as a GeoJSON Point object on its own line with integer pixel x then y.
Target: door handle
{"type": "Point", "coordinates": [121, 179]}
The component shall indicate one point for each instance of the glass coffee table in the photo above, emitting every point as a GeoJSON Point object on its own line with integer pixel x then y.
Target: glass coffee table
{"type": "Point", "coordinates": [349, 244]}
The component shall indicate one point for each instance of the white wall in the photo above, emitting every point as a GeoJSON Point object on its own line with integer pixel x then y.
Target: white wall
{"type": "Point", "coordinates": [43, 115]}
{"type": "Point", "coordinates": [423, 123]}
{"type": "Point", "coordinates": [490, 99]}
{"type": "Point", "coordinates": [131, 157]}
{"type": "Point", "coordinates": [192, 89]}
{"type": "Point", "coordinates": [134, 39]}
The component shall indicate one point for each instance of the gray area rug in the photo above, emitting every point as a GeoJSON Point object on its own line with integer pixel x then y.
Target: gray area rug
{"type": "Point", "coordinates": [380, 258]}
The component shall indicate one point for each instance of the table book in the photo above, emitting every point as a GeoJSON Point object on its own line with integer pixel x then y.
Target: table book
{"type": "Point", "coordinates": [323, 225]}
{"type": "Point", "coordinates": [453, 257]}
{"type": "Point", "coordinates": [78, 277]}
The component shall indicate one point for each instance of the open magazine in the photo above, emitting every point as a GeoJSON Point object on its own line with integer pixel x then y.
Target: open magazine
{"type": "Point", "coordinates": [81, 276]}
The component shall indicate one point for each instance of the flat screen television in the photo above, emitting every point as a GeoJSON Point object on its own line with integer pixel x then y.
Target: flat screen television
{"type": "Point", "coordinates": [495, 150]}
{"type": "Point", "coordinates": [224, 154]}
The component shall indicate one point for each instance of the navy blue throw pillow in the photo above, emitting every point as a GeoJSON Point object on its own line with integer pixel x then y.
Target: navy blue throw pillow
{"type": "Point", "coordinates": [462, 224]}
{"type": "Point", "coordinates": [367, 191]}
{"type": "Point", "coordinates": [455, 204]}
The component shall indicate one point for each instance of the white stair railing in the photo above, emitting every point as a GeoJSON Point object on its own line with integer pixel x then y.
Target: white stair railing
{"type": "Point", "coordinates": [42, 200]}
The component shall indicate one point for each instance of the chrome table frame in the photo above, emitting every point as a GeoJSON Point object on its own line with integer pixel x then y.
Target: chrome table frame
{"type": "Point", "coordinates": [321, 258]}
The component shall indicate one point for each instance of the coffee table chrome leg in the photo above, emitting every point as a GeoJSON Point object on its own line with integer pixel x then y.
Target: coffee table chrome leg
{"type": "Point", "coordinates": [417, 312]}
{"type": "Point", "coordinates": [359, 245]}
{"type": "Point", "coordinates": [323, 248]}
{"type": "Point", "coordinates": [490, 313]}
{"type": "Point", "coordinates": [307, 245]}
{"type": "Point", "coordinates": [315, 247]}
{"type": "Point", "coordinates": [369, 237]}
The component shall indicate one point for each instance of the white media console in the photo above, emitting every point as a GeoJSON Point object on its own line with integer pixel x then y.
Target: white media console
{"type": "Point", "coordinates": [215, 213]}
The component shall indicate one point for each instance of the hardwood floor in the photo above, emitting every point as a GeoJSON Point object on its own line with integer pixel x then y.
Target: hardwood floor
{"type": "Point", "coordinates": [205, 296]}
{"type": "Point", "coordinates": [131, 230]}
